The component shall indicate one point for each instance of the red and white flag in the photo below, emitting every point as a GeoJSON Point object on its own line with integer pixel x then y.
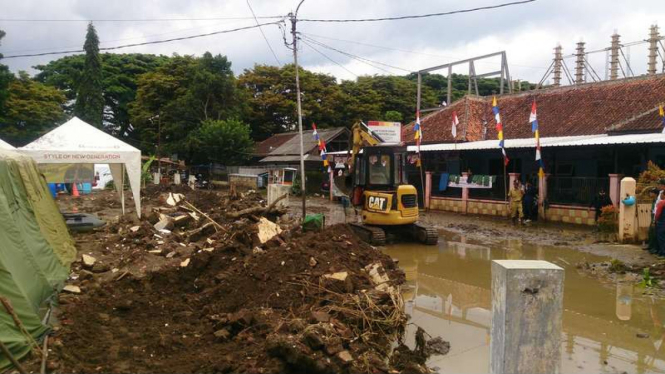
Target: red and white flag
{"type": "Point", "coordinates": [455, 123]}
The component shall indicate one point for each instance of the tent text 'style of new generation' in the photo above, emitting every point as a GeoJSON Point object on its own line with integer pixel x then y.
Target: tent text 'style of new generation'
{"type": "Point", "coordinates": [76, 142]}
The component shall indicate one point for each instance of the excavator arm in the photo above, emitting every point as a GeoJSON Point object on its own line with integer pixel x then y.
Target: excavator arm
{"type": "Point", "coordinates": [361, 136]}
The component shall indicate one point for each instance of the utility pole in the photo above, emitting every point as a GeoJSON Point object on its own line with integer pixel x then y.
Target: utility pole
{"type": "Point", "coordinates": [558, 63]}
{"type": "Point", "coordinates": [614, 57]}
{"type": "Point", "coordinates": [653, 49]}
{"type": "Point", "coordinates": [294, 20]}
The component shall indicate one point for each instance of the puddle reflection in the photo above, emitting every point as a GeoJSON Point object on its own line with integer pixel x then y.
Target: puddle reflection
{"type": "Point", "coordinates": [605, 329]}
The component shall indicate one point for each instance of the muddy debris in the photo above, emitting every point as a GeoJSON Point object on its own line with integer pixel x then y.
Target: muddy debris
{"type": "Point", "coordinates": [226, 293]}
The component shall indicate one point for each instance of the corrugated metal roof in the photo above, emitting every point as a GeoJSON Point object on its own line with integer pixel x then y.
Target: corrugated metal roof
{"type": "Point", "coordinates": [283, 158]}
{"type": "Point", "coordinates": [292, 146]}
{"type": "Point", "coordinates": [557, 141]}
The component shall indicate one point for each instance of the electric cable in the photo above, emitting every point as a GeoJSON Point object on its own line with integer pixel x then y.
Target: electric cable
{"type": "Point", "coordinates": [330, 59]}
{"type": "Point", "coordinates": [279, 63]}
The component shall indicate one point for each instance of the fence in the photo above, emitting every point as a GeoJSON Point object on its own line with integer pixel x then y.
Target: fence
{"type": "Point", "coordinates": [575, 190]}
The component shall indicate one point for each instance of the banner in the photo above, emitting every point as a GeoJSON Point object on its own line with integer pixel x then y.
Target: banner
{"type": "Point", "coordinates": [473, 181]}
{"type": "Point", "coordinates": [390, 132]}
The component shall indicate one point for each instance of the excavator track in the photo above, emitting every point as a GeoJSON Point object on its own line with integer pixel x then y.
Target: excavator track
{"type": "Point", "coordinates": [371, 234]}
{"type": "Point", "coordinates": [425, 234]}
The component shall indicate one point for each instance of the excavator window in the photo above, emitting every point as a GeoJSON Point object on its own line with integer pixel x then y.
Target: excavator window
{"type": "Point", "coordinates": [380, 166]}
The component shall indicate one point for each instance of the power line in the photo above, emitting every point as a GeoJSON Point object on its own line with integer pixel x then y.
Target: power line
{"type": "Point", "coordinates": [330, 59]}
{"type": "Point", "coordinates": [146, 43]}
{"type": "Point", "coordinates": [406, 50]}
{"type": "Point", "coordinates": [362, 59]}
{"type": "Point", "coordinates": [419, 15]}
{"type": "Point", "coordinates": [137, 19]}
{"type": "Point", "coordinates": [264, 35]}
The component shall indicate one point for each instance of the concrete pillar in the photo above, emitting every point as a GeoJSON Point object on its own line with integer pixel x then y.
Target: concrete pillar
{"type": "Point", "coordinates": [627, 217]}
{"type": "Point", "coordinates": [527, 306]}
{"type": "Point", "coordinates": [615, 186]}
{"type": "Point", "coordinates": [428, 188]}
{"type": "Point", "coordinates": [465, 195]}
{"type": "Point", "coordinates": [542, 196]}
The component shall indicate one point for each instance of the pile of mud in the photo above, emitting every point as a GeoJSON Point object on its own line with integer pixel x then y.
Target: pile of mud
{"type": "Point", "coordinates": [314, 302]}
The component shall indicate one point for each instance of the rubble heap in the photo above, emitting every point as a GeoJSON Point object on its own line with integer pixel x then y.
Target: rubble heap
{"type": "Point", "coordinates": [247, 293]}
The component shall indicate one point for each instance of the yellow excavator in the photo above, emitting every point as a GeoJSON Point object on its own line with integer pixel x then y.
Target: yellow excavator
{"type": "Point", "coordinates": [388, 203]}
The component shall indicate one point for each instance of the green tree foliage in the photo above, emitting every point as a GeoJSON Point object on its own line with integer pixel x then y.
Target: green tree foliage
{"type": "Point", "coordinates": [31, 109]}
{"type": "Point", "coordinates": [178, 96]}
{"type": "Point", "coordinates": [120, 75]}
{"type": "Point", "coordinates": [393, 116]}
{"type": "Point", "coordinates": [5, 78]}
{"type": "Point", "coordinates": [270, 94]}
{"type": "Point", "coordinates": [89, 99]}
{"type": "Point", "coordinates": [223, 141]}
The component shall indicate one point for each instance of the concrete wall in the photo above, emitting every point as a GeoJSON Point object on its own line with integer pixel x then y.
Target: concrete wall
{"type": "Point", "coordinates": [571, 214]}
{"type": "Point", "coordinates": [240, 180]}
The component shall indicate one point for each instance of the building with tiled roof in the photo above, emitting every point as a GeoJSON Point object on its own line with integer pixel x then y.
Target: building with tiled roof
{"type": "Point", "coordinates": [591, 135]}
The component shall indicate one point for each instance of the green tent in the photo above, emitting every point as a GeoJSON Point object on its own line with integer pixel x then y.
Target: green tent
{"type": "Point", "coordinates": [35, 253]}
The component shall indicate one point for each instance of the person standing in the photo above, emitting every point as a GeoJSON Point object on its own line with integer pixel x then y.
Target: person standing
{"type": "Point", "coordinates": [599, 202]}
{"type": "Point", "coordinates": [653, 241]}
{"type": "Point", "coordinates": [660, 227]}
{"type": "Point", "coordinates": [528, 205]}
{"type": "Point", "coordinates": [516, 195]}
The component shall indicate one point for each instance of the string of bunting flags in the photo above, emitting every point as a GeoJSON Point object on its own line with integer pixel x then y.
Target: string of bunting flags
{"type": "Point", "coordinates": [533, 118]}
{"type": "Point", "coordinates": [499, 130]}
{"type": "Point", "coordinates": [322, 147]}
{"type": "Point", "coordinates": [418, 136]}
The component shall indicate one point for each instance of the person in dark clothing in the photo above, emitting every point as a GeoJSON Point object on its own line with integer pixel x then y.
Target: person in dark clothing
{"type": "Point", "coordinates": [529, 206]}
{"type": "Point", "coordinates": [660, 227]}
{"type": "Point", "coordinates": [599, 202]}
{"type": "Point", "coordinates": [653, 241]}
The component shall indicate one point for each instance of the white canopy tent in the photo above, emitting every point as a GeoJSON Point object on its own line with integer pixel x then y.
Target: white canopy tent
{"type": "Point", "coordinates": [5, 145]}
{"type": "Point", "coordinates": [76, 142]}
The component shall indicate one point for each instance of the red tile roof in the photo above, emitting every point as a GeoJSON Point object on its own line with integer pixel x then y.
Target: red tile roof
{"type": "Point", "coordinates": [627, 105]}
{"type": "Point", "coordinates": [265, 147]}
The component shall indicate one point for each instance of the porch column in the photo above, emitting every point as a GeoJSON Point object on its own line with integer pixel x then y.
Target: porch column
{"type": "Point", "coordinates": [542, 196]}
{"type": "Point", "coordinates": [627, 226]}
{"type": "Point", "coordinates": [428, 188]}
{"type": "Point", "coordinates": [615, 187]}
{"type": "Point", "coordinates": [465, 195]}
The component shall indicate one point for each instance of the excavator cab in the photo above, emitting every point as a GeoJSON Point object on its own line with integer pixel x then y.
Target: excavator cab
{"type": "Point", "coordinates": [380, 190]}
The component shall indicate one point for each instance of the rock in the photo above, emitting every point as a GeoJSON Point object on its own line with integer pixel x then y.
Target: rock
{"type": "Point", "coordinates": [100, 268]}
{"type": "Point", "coordinates": [184, 263]}
{"type": "Point", "coordinates": [257, 251]}
{"type": "Point", "coordinates": [345, 357]}
{"type": "Point", "coordinates": [85, 275]}
{"type": "Point", "coordinates": [166, 223]}
{"type": "Point", "coordinates": [642, 335]}
{"type": "Point", "coordinates": [267, 230]}
{"type": "Point", "coordinates": [312, 262]}
{"type": "Point", "coordinates": [88, 261]}
{"type": "Point", "coordinates": [72, 289]}
{"type": "Point", "coordinates": [222, 335]}
{"type": "Point", "coordinates": [319, 316]}
{"type": "Point", "coordinates": [134, 228]}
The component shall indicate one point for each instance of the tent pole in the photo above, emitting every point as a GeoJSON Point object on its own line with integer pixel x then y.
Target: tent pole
{"type": "Point", "coordinates": [122, 187]}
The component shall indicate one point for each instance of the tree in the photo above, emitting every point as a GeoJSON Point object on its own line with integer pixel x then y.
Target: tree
{"type": "Point", "coordinates": [178, 96]}
{"type": "Point", "coordinates": [120, 75]}
{"type": "Point", "coordinates": [31, 109]}
{"type": "Point", "coordinates": [5, 78]}
{"type": "Point", "coordinates": [227, 142]}
{"type": "Point", "coordinates": [89, 99]}
{"type": "Point", "coordinates": [393, 116]}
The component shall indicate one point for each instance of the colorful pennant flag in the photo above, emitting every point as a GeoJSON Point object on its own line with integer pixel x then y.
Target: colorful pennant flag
{"type": "Point", "coordinates": [322, 146]}
{"type": "Point", "coordinates": [661, 111]}
{"type": "Point", "coordinates": [533, 118]}
{"type": "Point", "coordinates": [499, 130]}
{"type": "Point", "coordinates": [418, 135]}
{"type": "Point", "coordinates": [455, 123]}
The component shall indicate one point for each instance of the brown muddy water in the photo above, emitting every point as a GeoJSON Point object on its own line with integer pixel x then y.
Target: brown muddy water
{"type": "Point", "coordinates": [607, 328]}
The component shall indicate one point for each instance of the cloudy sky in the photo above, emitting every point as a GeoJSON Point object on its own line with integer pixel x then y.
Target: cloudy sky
{"type": "Point", "coordinates": [528, 32]}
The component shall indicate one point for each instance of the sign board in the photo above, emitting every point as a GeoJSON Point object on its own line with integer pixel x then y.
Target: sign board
{"type": "Point", "coordinates": [390, 132]}
{"type": "Point", "coordinates": [484, 181]}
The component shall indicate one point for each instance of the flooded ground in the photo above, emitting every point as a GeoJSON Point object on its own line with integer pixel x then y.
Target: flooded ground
{"type": "Point", "coordinates": [607, 328]}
